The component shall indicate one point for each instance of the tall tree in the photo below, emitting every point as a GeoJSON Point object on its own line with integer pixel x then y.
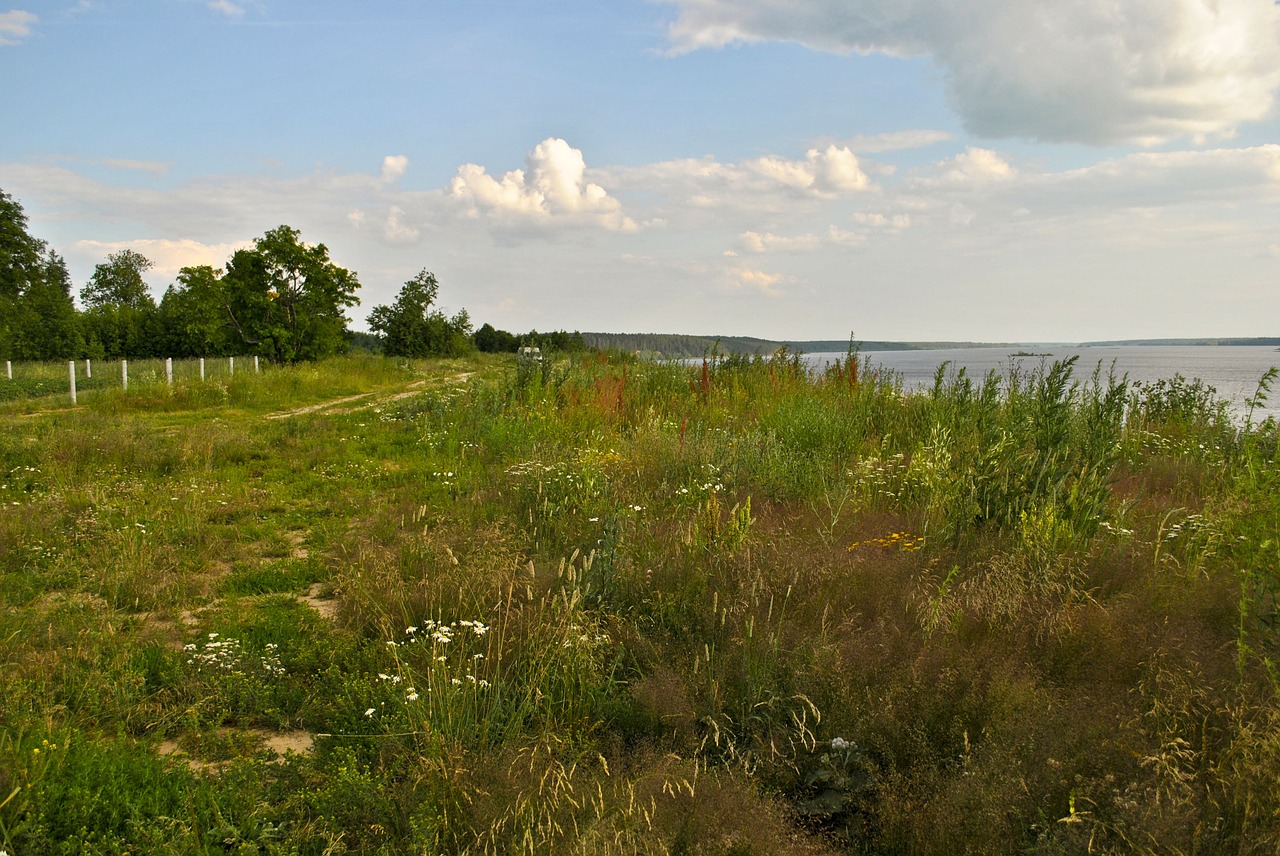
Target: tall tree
{"type": "Point", "coordinates": [286, 300]}
{"type": "Point", "coordinates": [118, 282]}
{"type": "Point", "coordinates": [37, 316]}
{"type": "Point", "coordinates": [19, 251]}
{"type": "Point", "coordinates": [120, 314]}
{"type": "Point", "coordinates": [410, 328]}
{"type": "Point", "coordinates": [47, 327]}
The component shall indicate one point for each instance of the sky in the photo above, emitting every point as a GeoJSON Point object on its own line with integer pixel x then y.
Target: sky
{"type": "Point", "coordinates": [979, 170]}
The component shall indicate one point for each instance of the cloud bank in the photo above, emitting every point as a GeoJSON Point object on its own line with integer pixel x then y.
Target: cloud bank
{"type": "Point", "coordinates": [1093, 71]}
{"type": "Point", "coordinates": [796, 238]}
{"type": "Point", "coordinates": [167, 256]}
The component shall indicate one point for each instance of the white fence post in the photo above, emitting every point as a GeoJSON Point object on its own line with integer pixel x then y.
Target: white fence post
{"type": "Point", "coordinates": [8, 367]}
{"type": "Point", "coordinates": [88, 367]}
{"type": "Point", "coordinates": [71, 366]}
{"type": "Point", "coordinates": [168, 370]}
{"type": "Point", "coordinates": [124, 374]}
{"type": "Point", "coordinates": [255, 363]}
{"type": "Point", "coordinates": [202, 368]}
{"type": "Point", "coordinates": [231, 364]}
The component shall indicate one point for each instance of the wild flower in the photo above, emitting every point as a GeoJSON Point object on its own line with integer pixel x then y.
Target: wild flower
{"type": "Point", "coordinates": [904, 541]}
{"type": "Point", "coordinates": [227, 655]}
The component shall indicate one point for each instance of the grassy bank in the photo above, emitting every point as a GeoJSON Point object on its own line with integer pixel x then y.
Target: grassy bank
{"type": "Point", "coordinates": [622, 607]}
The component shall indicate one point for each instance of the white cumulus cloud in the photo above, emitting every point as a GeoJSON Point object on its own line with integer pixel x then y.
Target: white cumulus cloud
{"type": "Point", "coordinates": [552, 186]}
{"type": "Point", "coordinates": [972, 168]}
{"type": "Point", "coordinates": [825, 172]}
{"type": "Point", "coordinates": [394, 167]}
{"type": "Point", "coordinates": [1095, 71]}
{"type": "Point", "coordinates": [771, 182]}
{"type": "Point", "coordinates": [15, 26]}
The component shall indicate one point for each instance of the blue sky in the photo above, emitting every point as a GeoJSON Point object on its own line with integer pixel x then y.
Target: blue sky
{"type": "Point", "coordinates": [976, 169]}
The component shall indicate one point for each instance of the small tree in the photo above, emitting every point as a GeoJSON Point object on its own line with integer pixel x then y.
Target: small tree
{"type": "Point", "coordinates": [409, 328]}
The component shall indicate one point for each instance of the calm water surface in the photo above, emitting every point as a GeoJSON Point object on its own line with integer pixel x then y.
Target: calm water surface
{"type": "Point", "coordinates": [1233, 371]}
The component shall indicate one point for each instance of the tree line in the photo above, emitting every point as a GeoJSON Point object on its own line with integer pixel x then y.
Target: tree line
{"type": "Point", "coordinates": [282, 299]}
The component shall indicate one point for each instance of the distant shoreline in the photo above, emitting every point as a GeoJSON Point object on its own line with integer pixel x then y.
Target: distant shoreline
{"type": "Point", "coordinates": [678, 345]}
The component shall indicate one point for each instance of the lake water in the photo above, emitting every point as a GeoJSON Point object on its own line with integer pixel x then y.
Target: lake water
{"type": "Point", "coordinates": [1233, 371]}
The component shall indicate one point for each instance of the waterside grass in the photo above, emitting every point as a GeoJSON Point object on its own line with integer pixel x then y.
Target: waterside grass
{"type": "Point", "coordinates": [616, 606]}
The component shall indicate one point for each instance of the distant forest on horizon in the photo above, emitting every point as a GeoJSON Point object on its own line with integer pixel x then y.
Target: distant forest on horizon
{"type": "Point", "coordinates": [681, 345]}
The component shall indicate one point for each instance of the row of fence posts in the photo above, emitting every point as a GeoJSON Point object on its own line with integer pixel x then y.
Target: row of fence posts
{"type": "Point", "coordinates": [124, 371]}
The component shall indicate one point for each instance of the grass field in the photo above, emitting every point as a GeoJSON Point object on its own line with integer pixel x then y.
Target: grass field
{"type": "Point", "coordinates": [614, 607]}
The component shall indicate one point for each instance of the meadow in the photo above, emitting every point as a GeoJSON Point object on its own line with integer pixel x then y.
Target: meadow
{"type": "Point", "coordinates": [609, 606]}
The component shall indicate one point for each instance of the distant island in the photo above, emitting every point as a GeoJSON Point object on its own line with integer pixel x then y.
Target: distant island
{"type": "Point", "coordinates": [674, 345]}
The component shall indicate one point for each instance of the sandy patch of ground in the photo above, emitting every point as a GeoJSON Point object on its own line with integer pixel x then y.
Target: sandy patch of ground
{"type": "Point", "coordinates": [326, 606]}
{"type": "Point", "coordinates": [280, 743]}
{"type": "Point", "coordinates": [295, 540]}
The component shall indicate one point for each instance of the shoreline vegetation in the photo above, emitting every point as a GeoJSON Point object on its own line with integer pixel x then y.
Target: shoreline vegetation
{"type": "Point", "coordinates": [673, 345]}
{"type": "Point", "coordinates": [596, 604]}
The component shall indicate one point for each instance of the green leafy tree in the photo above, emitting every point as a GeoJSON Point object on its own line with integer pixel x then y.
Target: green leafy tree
{"type": "Point", "coordinates": [194, 321]}
{"type": "Point", "coordinates": [410, 328]}
{"type": "Point", "coordinates": [560, 340]}
{"type": "Point", "coordinates": [120, 315]}
{"type": "Point", "coordinates": [286, 300]}
{"type": "Point", "coordinates": [47, 327]}
{"type": "Point", "coordinates": [20, 263]}
{"type": "Point", "coordinates": [118, 282]}
{"type": "Point", "coordinates": [37, 316]}
{"type": "Point", "coordinates": [490, 340]}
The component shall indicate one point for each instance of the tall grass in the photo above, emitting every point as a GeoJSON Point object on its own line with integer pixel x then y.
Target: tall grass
{"type": "Point", "coordinates": [616, 606]}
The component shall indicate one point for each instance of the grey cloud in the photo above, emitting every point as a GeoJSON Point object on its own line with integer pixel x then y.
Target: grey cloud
{"type": "Point", "coordinates": [1093, 71]}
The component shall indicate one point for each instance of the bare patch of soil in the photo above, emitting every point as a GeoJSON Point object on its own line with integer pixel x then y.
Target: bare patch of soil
{"type": "Point", "coordinates": [326, 606]}
{"type": "Point", "coordinates": [280, 743]}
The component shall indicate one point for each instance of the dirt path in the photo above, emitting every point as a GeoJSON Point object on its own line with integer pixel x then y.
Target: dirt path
{"type": "Point", "coordinates": [370, 399]}
{"type": "Point", "coordinates": [414, 388]}
{"type": "Point", "coordinates": [324, 405]}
